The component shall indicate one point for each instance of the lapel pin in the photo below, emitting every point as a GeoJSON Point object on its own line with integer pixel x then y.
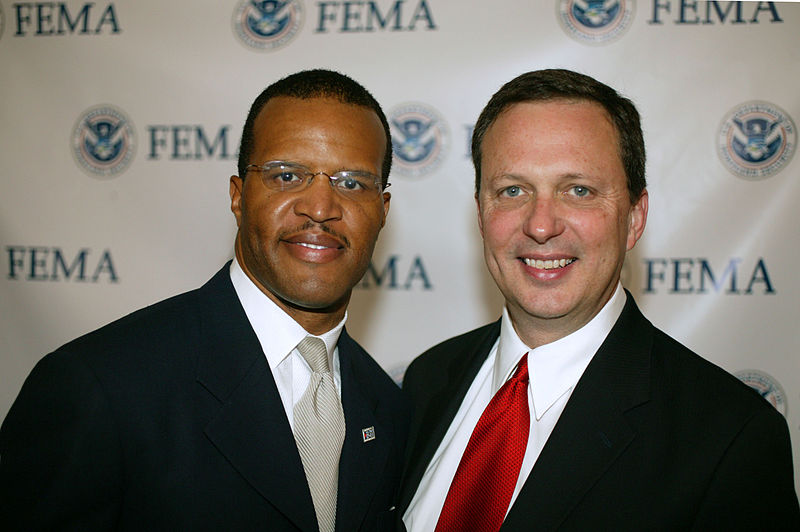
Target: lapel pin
{"type": "Point", "coordinates": [368, 434]}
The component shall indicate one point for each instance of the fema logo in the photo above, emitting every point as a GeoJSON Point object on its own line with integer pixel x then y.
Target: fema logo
{"type": "Point", "coordinates": [756, 140]}
{"type": "Point", "coordinates": [267, 25]}
{"type": "Point", "coordinates": [419, 139]}
{"type": "Point", "coordinates": [595, 21]}
{"type": "Point", "coordinates": [103, 141]}
{"type": "Point", "coordinates": [765, 385]}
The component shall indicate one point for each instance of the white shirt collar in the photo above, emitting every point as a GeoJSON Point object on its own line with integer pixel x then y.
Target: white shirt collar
{"type": "Point", "coordinates": [555, 368]}
{"type": "Point", "coordinates": [277, 332]}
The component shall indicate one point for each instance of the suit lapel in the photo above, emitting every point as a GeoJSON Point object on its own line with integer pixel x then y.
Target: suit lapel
{"type": "Point", "coordinates": [592, 431]}
{"type": "Point", "coordinates": [447, 390]}
{"type": "Point", "coordinates": [250, 429]}
{"type": "Point", "coordinates": [362, 462]}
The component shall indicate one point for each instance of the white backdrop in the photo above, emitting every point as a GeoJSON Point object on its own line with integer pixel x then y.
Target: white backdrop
{"type": "Point", "coordinates": [120, 121]}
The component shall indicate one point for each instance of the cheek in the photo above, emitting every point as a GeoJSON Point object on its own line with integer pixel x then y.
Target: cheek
{"type": "Point", "coordinates": [499, 227]}
{"type": "Point", "coordinates": [267, 213]}
{"type": "Point", "coordinates": [260, 228]}
{"type": "Point", "coordinates": [364, 227]}
{"type": "Point", "coordinates": [603, 231]}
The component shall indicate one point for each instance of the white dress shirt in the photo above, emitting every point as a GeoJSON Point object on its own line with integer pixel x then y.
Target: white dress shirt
{"type": "Point", "coordinates": [279, 335]}
{"type": "Point", "coordinates": [554, 370]}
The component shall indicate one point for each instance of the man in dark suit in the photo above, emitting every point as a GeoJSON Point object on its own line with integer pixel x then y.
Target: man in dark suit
{"type": "Point", "coordinates": [573, 412]}
{"type": "Point", "coordinates": [206, 411]}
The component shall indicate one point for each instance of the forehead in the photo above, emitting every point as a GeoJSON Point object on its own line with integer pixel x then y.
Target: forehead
{"type": "Point", "coordinates": [318, 107]}
{"type": "Point", "coordinates": [285, 119]}
{"type": "Point", "coordinates": [569, 131]}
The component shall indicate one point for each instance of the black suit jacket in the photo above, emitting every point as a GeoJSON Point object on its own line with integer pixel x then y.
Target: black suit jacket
{"type": "Point", "coordinates": [652, 438]}
{"type": "Point", "coordinates": [169, 419]}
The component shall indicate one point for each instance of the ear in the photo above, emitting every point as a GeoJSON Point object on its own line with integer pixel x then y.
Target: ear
{"type": "Point", "coordinates": [236, 190]}
{"type": "Point", "coordinates": [387, 196]}
{"type": "Point", "coordinates": [637, 219]}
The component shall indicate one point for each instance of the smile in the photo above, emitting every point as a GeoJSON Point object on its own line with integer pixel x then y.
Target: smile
{"type": "Point", "coordinates": [548, 264]}
{"type": "Point", "coordinates": [315, 239]}
{"type": "Point", "coordinates": [312, 246]}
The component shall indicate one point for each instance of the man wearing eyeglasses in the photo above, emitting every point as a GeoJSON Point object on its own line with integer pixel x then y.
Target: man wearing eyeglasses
{"type": "Point", "coordinates": [243, 405]}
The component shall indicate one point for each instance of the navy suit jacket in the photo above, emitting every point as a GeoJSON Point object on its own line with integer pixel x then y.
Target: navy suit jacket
{"type": "Point", "coordinates": [169, 419]}
{"type": "Point", "coordinates": [652, 438]}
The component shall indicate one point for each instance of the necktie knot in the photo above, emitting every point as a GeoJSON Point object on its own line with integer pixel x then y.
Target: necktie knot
{"type": "Point", "coordinates": [521, 373]}
{"type": "Point", "coordinates": [314, 351]}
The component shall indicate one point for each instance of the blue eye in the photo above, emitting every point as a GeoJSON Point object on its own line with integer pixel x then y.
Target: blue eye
{"type": "Point", "coordinates": [580, 191]}
{"type": "Point", "coordinates": [511, 192]}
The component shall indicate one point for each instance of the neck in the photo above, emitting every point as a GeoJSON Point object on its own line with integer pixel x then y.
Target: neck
{"type": "Point", "coordinates": [536, 332]}
{"type": "Point", "coordinates": [316, 322]}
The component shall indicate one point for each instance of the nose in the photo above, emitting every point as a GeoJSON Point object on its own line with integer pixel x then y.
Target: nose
{"type": "Point", "coordinates": [318, 201]}
{"type": "Point", "coordinates": [543, 220]}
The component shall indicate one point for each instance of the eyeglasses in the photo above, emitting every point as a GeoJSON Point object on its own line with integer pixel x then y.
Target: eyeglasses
{"type": "Point", "coordinates": [284, 176]}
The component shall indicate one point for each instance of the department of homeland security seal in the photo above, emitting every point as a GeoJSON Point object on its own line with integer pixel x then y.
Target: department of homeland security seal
{"type": "Point", "coordinates": [595, 21]}
{"type": "Point", "coordinates": [767, 386]}
{"type": "Point", "coordinates": [756, 140]}
{"type": "Point", "coordinates": [419, 139]}
{"type": "Point", "coordinates": [267, 25]}
{"type": "Point", "coordinates": [103, 141]}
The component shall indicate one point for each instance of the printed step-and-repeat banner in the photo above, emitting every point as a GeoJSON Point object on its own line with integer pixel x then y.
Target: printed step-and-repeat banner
{"type": "Point", "coordinates": [120, 123]}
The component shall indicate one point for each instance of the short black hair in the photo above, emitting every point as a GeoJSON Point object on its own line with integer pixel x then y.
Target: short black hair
{"type": "Point", "coordinates": [308, 84]}
{"type": "Point", "coordinates": [559, 84]}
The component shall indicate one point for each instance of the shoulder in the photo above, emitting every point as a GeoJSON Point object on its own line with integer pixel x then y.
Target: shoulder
{"type": "Point", "coordinates": [162, 326]}
{"type": "Point", "coordinates": [454, 357]}
{"type": "Point", "coordinates": [154, 326]}
{"type": "Point", "coordinates": [149, 344]}
{"type": "Point", "coordinates": [703, 401]}
{"type": "Point", "coordinates": [697, 376]}
{"type": "Point", "coordinates": [731, 433]}
{"type": "Point", "coordinates": [676, 370]}
{"type": "Point", "coordinates": [454, 349]}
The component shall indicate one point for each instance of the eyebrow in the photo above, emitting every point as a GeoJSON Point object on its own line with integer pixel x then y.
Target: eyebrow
{"type": "Point", "coordinates": [519, 177]}
{"type": "Point", "coordinates": [307, 167]}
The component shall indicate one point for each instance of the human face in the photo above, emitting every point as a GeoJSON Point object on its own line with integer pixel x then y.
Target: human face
{"type": "Point", "coordinates": [555, 214]}
{"type": "Point", "coordinates": [307, 248]}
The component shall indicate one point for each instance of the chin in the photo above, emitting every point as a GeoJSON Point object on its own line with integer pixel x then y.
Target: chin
{"type": "Point", "coordinates": [317, 302]}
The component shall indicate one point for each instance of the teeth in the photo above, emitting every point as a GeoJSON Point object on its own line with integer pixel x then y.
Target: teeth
{"type": "Point", "coordinates": [548, 264]}
{"type": "Point", "coordinates": [312, 246]}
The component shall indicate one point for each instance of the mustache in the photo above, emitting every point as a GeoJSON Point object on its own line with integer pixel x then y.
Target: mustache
{"type": "Point", "coordinates": [309, 225]}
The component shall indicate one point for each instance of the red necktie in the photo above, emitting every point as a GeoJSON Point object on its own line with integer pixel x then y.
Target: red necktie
{"type": "Point", "coordinates": [487, 474]}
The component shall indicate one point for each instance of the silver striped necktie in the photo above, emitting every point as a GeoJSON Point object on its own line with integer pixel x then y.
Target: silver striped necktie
{"type": "Point", "coordinates": [319, 432]}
